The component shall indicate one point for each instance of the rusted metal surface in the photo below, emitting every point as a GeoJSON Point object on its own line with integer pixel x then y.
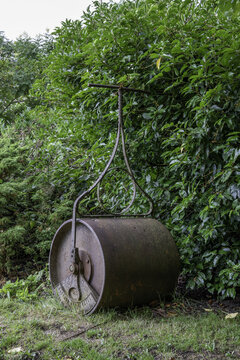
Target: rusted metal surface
{"type": "Point", "coordinates": [133, 261]}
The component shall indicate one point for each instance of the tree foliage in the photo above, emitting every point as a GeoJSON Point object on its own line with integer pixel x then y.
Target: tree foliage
{"type": "Point", "coordinates": [21, 63]}
{"type": "Point", "coordinates": [183, 138]}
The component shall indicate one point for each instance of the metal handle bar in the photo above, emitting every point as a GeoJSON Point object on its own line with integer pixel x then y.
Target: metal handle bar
{"type": "Point", "coordinates": [118, 87]}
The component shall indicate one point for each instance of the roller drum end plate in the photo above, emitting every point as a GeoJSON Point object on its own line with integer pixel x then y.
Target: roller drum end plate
{"type": "Point", "coordinates": [83, 287]}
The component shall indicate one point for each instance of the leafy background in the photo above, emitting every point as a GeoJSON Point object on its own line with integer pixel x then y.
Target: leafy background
{"type": "Point", "coordinates": [183, 138]}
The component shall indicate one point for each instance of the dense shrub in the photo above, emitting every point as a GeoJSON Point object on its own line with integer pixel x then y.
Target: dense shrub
{"type": "Point", "coordinates": [21, 63]}
{"type": "Point", "coordinates": [183, 138]}
{"type": "Point", "coordinates": [27, 203]}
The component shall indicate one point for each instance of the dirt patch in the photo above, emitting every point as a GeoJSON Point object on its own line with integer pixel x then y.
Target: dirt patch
{"type": "Point", "coordinates": [205, 355]}
{"type": "Point", "coordinates": [59, 332]}
{"type": "Point", "coordinates": [180, 355]}
{"type": "Point", "coordinates": [191, 306]}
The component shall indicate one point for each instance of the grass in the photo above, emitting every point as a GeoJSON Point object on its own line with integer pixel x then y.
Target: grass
{"type": "Point", "coordinates": [44, 329]}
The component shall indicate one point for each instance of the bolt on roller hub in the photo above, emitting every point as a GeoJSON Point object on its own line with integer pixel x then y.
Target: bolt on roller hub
{"type": "Point", "coordinates": [116, 259]}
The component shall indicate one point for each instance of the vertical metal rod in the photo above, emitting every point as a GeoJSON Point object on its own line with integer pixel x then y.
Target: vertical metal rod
{"type": "Point", "coordinates": [120, 91]}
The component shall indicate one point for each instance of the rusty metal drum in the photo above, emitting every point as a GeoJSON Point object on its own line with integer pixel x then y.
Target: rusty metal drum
{"type": "Point", "coordinates": [124, 262]}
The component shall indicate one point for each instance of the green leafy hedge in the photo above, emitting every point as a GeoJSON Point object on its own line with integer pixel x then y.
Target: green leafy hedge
{"type": "Point", "coordinates": [183, 138]}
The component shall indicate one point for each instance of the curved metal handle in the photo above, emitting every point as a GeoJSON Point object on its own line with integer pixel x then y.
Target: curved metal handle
{"type": "Point", "coordinates": [120, 132]}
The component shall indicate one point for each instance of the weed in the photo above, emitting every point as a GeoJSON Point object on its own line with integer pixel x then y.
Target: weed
{"type": "Point", "coordinates": [25, 289]}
